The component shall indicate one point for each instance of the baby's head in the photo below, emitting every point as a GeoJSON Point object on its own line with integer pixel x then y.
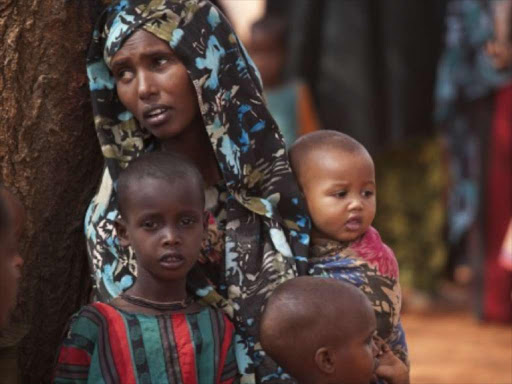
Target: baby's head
{"type": "Point", "coordinates": [268, 48]}
{"type": "Point", "coordinates": [320, 331]}
{"type": "Point", "coordinates": [161, 202]}
{"type": "Point", "coordinates": [337, 176]}
{"type": "Point", "coordinates": [12, 218]}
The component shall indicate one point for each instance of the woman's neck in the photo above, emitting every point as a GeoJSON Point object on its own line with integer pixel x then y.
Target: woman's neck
{"type": "Point", "coordinates": [195, 145]}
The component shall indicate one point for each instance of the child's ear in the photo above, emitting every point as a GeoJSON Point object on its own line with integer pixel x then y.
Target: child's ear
{"type": "Point", "coordinates": [325, 360]}
{"type": "Point", "coordinates": [122, 233]}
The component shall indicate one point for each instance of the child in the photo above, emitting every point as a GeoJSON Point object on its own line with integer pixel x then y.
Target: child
{"type": "Point", "coordinates": [154, 332]}
{"type": "Point", "coordinates": [289, 101]}
{"type": "Point", "coordinates": [318, 343]}
{"type": "Point", "coordinates": [337, 177]}
{"type": "Point", "coordinates": [12, 217]}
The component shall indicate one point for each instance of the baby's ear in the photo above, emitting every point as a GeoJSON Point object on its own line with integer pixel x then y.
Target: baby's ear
{"type": "Point", "coordinates": [122, 232]}
{"type": "Point", "coordinates": [325, 360]}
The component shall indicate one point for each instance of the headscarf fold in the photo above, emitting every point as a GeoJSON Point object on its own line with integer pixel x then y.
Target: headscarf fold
{"type": "Point", "coordinates": [267, 231]}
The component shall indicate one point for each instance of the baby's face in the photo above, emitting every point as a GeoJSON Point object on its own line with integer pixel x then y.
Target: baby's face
{"type": "Point", "coordinates": [340, 192]}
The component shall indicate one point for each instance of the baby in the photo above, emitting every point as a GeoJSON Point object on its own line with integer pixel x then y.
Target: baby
{"type": "Point", "coordinates": [12, 217]}
{"type": "Point", "coordinates": [155, 331]}
{"type": "Point", "coordinates": [337, 177]}
{"type": "Point", "coordinates": [318, 343]}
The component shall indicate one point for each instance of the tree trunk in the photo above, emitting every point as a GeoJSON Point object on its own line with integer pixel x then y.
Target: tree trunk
{"type": "Point", "coordinates": [50, 159]}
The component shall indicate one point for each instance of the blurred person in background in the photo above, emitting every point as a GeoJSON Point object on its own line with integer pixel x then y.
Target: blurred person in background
{"type": "Point", "coordinates": [474, 110]}
{"type": "Point", "coordinates": [371, 66]}
{"type": "Point", "coordinates": [289, 100]}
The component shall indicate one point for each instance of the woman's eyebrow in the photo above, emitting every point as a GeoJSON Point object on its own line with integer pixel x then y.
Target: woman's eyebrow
{"type": "Point", "coordinates": [116, 62]}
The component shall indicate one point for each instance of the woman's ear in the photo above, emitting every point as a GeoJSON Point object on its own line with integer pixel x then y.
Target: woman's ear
{"type": "Point", "coordinates": [122, 232]}
{"type": "Point", "coordinates": [325, 360]}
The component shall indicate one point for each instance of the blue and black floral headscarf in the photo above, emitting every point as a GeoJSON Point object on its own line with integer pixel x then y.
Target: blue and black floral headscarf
{"type": "Point", "coordinates": [266, 237]}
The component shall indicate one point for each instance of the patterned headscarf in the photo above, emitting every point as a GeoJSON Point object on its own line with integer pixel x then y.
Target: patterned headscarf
{"type": "Point", "coordinates": [266, 236]}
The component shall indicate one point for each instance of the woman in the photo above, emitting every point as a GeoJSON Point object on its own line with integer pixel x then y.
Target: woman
{"type": "Point", "coordinates": [172, 75]}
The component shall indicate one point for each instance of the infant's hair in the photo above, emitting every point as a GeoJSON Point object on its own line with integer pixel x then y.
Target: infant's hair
{"type": "Point", "coordinates": [165, 166]}
{"type": "Point", "coordinates": [306, 313]}
{"type": "Point", "coordinates": [319, 141]}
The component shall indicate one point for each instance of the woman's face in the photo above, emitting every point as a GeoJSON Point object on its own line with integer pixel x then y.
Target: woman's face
{"type": "Point", "coordinates": [153, 84]}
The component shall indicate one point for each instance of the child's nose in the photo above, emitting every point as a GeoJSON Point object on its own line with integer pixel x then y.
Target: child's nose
{"type": "Point", "coordinates": [375, 348]}
{"type": "Point", "coordinates": [171, 236]}
{"type": "Point", "coordinates": [355, 204]}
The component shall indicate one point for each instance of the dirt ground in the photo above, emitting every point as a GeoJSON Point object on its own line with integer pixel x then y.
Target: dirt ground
{"type": "Point", "coordinates": [454, 348]}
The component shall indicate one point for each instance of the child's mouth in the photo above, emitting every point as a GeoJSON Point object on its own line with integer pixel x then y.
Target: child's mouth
{"type": "Point", "coordinates": [354, 224]}
{"type": "Point", "coordinates": [171, 260]}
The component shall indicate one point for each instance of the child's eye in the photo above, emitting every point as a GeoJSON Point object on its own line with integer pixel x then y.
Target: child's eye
{"type": "Point", "coordinates": [149, 224]}
{"type": "Point", "coordinates": [186, 221]}
{"type": "Point", "coordinates": [341, 194]}
{"type": "Point", "coordinates": [368, 193]}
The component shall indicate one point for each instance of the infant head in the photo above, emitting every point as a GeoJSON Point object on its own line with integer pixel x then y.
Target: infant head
{"type": "Point", "coordinates": [337, 176]}
{"type": "Point", "coordinates": [320, 331]}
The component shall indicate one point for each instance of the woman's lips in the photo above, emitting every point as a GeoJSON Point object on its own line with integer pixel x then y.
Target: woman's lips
{"type": "Point", "coordinates": [157, 116]}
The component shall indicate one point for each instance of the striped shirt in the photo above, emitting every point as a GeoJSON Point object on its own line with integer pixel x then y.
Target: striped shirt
{"type": "Point", "coordinates": [107, 345]}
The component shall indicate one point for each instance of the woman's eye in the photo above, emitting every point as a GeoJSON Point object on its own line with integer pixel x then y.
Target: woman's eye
{"type": "Point", "coordinates": [160, 61]}
{"type": "Point", "coordinates": [123, 75]}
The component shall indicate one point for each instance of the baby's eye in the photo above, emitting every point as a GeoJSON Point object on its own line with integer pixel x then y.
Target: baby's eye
{"type": "Point", "coordinates": [341, 194]}
{"type": "Point", "coordinates": [368, 193]}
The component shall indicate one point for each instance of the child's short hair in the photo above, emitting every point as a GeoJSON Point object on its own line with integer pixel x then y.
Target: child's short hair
{"type": "Point", "coordinates": [319, 141]}
{"type": "Point", "coordinates": [306, 313]}
{"type": "Point", "coordinates": [166, 166]}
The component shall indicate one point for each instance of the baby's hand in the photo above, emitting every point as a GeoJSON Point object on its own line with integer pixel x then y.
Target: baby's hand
{"type": "Point", "coordinates": [391, 368]}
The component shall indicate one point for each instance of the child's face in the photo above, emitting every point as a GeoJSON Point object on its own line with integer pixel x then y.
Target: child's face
{"type": "Point", "coordinates": [340, 192]}
{"type": "Point", "coordinates": [164, 223]}
{"type": "Point", "coordinates": [356, 360]}
{"type": "Point", "coordinates": [10, 259]}
{"type": "Point", "coordinates": [268, 54]}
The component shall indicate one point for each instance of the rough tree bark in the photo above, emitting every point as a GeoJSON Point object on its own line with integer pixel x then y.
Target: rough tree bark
{"type": "Point", "coordinates": [50, 158]}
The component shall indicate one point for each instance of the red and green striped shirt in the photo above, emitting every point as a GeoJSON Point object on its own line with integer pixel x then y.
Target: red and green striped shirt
{"type": "Point", "coordinates": [107, 345]}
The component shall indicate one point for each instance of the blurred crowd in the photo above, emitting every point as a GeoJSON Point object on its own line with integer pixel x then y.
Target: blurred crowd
{"type": "Point", "coordinates": [427, 88]}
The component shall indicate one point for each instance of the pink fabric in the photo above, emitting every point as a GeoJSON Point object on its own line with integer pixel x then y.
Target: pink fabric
{"type": "Point", "coordinates": [372, 249]}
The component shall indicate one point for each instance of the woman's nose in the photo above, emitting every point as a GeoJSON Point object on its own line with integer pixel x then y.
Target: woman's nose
{"type": "Point", "coordinates": [147, 87]}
